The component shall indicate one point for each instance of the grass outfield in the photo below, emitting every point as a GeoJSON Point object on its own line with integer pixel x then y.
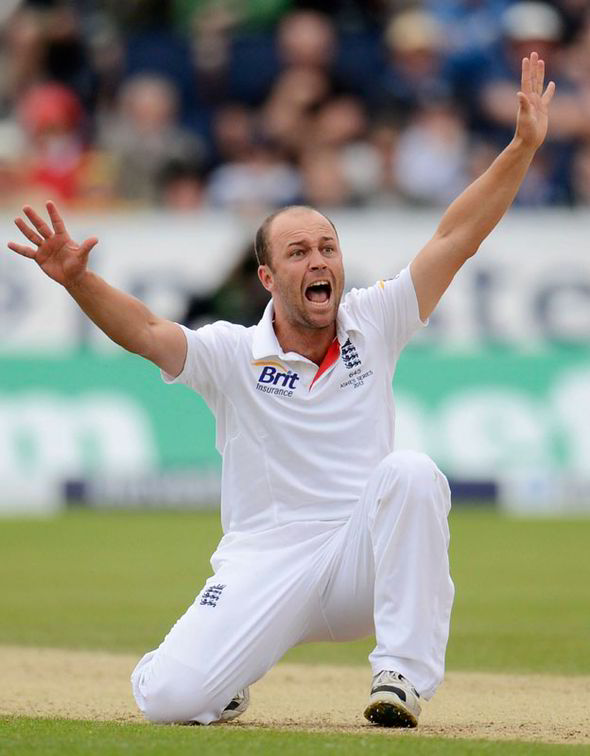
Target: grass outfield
{"type": "Point", "coordinates": [117, 581]}
{"type": "Point", "coordinates": [57, 737]}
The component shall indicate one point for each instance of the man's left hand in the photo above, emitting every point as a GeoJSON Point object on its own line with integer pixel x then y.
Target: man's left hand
{"type": "Point", "coordinates": [533, 103]}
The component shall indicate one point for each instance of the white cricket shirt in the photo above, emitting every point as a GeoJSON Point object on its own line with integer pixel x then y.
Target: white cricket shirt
{"type": "Point", "coordinates": [299, 442]}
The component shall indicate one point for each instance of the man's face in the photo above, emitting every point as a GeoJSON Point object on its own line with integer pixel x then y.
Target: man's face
{"type": "Point", "coordinates": [306, 279]}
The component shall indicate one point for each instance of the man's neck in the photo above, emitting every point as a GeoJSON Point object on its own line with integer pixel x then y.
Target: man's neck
{"type": "Point", "coordinates": [312, 343]}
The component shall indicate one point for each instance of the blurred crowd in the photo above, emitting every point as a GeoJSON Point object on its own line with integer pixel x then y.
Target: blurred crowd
{"type": "Point", "coordinates": [252, 104]}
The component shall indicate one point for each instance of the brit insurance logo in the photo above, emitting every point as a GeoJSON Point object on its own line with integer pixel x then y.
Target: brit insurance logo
{"type": "Point", "coordinates": [276, 379]}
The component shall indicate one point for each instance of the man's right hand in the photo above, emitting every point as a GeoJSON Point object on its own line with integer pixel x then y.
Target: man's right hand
{"type": "Point", "coordinates": [56, 253]}
{"type": "Point", "coordinates": [124, 319]}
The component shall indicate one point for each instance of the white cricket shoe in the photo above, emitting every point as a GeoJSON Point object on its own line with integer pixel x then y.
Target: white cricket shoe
{"type": "Point", "coordinates": [236, 707]}
{"type": "Point", "coordinates": [393, 702]}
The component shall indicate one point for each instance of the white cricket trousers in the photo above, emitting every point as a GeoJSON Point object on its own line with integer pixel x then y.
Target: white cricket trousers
{"type": "Point", "coordinates": [385, 570]}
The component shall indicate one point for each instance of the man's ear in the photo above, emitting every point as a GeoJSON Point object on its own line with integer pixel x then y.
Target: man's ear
{"type": "Point", "coordinates": [265, 276]}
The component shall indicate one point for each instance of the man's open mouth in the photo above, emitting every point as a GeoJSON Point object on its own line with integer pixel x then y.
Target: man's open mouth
{"type": "Point", "coordinates": [319, 291]}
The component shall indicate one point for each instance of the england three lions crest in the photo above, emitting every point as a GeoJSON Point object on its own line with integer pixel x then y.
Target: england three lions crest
{"type": "Point", "coordinates": [349, 355]}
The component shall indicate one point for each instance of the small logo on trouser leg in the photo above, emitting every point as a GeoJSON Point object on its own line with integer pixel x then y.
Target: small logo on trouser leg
{"type": "Point", "coordinates": [211, 595]}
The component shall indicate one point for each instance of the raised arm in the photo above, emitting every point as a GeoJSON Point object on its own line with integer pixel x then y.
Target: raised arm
{"type": "Point", "coordinates": [124, 319]}
{"type": "Point", "coordinates": [475, 213]}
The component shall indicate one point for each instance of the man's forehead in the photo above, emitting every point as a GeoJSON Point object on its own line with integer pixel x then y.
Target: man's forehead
{"type": "Point", "coordinates": [299, 224]}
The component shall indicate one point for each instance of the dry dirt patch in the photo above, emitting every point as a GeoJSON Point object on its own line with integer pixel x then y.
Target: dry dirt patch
{"type": "Point", "coordinates": [93, 685]}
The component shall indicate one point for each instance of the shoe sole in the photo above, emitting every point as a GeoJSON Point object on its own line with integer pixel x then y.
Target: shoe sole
{"type": "Point", "coordinates": [389, 714]}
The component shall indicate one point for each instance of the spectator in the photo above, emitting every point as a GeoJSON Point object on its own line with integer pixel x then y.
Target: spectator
{"type": "Point", "coordinates": [375, 170]}
{"type": "Point", "coordinates": [536, 26]}
{"type": "Point", "coordinates": [305, 41]}
{"type": "Point", "coordinates": [223, 30]}
{"type": "Point", "coordinates": [12, 161]}
{"type": "Point", "coordinates": [261, 180]}
{"type": "Point", "coordinates": [526, 26]}
{"type": "Point", "coordinates": [339, 136]}
{"type": "Point", "coordinates": [66, 58]}
{"type": "Point", "coordinates": [290, 99]}
{"type": "Point", "coordinates": [325, 184]}
{"type": "Point", "coordinates": [575, 63]}
{"type": "Point", "coordinates": [52, 118]}
{"type": "Point", "coordinates": [181, 187]}
{"type": "Point", "coordinates": [581, 176]}
{"type": "Point", "coordinates": [340, 121]}
{"type": "Point", "coordinates": [144, 135]}
{"type": "Point", "coordinates": [574, 14]}
{"type": "Point", "coordinates": [469, 25]}
{"type": "Point", "coordinates": [46, 43]}
{"type": "Point", "coordinates": [106, 49]}
{"type": "Point", "coordinates": [233, 132]}
{"type": "Point", "coordinates": [211, 26]}
{"type": "Point", "coordinates": [430, 164]}
{"type": "Point", "coordinates": [416, 71]}
{"type": "Point", "coordinates": [288, 115]}
{"type": "Point", "coordinates": [22, 53]}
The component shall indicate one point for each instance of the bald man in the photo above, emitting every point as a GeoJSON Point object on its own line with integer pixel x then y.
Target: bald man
{"type": "Point", "coordinates": [329, 534]}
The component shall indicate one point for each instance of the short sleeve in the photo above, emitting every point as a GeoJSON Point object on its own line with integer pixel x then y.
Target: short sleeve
{"type": "Point", "coordinates": [391, 306]}
{"type": "Point", "coordinates": [211, 351]}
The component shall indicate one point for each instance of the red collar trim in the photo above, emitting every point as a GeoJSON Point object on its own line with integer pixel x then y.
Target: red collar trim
{"type": "Point", "coordinates": [330, 358]}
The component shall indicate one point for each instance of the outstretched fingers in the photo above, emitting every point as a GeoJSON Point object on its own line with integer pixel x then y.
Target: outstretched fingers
{"type": "Point", "coordinates": [533, 74]}
{"type": "Point", "coordinates": [525, 76]}
{"type": "Point", "coordinates": [532, 81]}
{"type": "Point", "coordinates": [22, 249]}
{"type": "Point", "coordinates": [540, 76]}
{"type": "Point", "coordinates": [533, 71]}
{"type": "Point", "coordinates": [27, 231]}
{"type": "Point", "coordinates": [38, 222]}
{"type": "Point", "coordinates": [549, 92]}
{"type": "Point", "coordinates": [56, 220]}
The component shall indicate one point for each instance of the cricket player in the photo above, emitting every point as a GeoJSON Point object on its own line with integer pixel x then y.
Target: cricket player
{"type": "Point", "coordinates": [329, 534]}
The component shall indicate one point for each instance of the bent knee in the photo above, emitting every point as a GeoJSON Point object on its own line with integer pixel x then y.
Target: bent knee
{"type": "Point", "coordinates": [417, 473]}
{"type": "Point", "coordinates": [171, 693]}
{"type": "Point", "coordinates": [411, 465]}
{"type": "Point", "coordinates": [169, 702]}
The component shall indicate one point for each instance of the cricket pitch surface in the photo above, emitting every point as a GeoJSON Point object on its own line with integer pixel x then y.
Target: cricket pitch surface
{"type": "Point", "coordinates": [38, 682]}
